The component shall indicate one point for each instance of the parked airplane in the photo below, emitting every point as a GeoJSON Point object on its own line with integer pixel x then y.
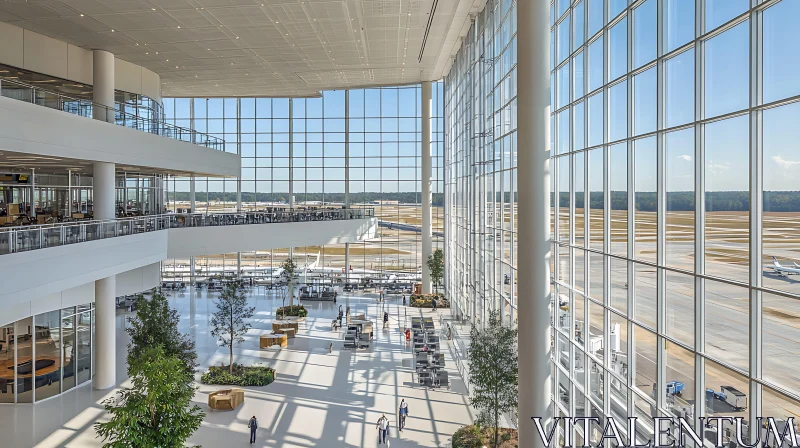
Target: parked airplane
{"type": "Point", "coordinates": [784, 270]}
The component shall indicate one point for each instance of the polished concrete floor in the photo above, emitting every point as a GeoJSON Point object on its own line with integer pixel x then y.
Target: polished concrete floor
{"type": "Point", "coordinates": [319, 399]}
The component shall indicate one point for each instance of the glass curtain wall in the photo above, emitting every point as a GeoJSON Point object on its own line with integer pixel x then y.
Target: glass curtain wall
{"type": "Point", "coordinates": [677, 120]}
{"type": "Point", "coordinates": [296, 150]}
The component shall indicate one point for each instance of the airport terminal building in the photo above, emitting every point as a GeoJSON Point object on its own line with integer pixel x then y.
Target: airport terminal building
{"type": "Point", "coordinates": [619, 180]}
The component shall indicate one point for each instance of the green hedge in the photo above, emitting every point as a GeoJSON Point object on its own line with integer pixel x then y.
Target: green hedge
{"type": "Point", "coordinates": [477, 436]}
{"type": "Point", "coordinates": [294, 310]}
{"type": "Point", "coordinates": [426, 301]}
{"type": "Point", "coordinates": [242, 375]}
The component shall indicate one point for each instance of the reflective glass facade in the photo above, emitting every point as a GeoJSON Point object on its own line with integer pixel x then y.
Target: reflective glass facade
{"type": "Point", "coordinates": [675, 195]}
{"type": "Point", "coordinates": [309, 150]}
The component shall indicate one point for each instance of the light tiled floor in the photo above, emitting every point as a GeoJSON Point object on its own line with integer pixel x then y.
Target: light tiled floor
{"type": "Point", "coordinates": [319, 399]}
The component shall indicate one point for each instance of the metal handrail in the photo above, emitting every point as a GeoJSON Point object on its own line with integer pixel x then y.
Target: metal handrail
{"type": "Point", "coordinates": [40, 236]}
{"type": "Point", "coordinates": [86, 108]}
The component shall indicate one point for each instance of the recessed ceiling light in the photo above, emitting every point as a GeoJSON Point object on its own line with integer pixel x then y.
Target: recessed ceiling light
{"type": "Point", "coordinates": [81, 15]}
{"type": "Point", "coordinates": [179, 27]}
{"type": "Point", "coordinates": [237, 37]}
{"type": "Point", "coordinates": [156, 52]}
{"type": "Point", "coordinates": [277, 22]}
{"type": "Point", "coordinates": [154, 9]}
{"type": "Point", "coordinates": [167, 60]}
{"type": "Point", "coordinates": [147, 52]}
{"type": "Point", "coordinates": [112, 31]}
{"type": "Point", "coordinates": [176, 66]}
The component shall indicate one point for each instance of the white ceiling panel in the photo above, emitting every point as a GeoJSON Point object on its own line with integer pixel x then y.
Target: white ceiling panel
{"type": "Point", "coordinates": [259, 47]}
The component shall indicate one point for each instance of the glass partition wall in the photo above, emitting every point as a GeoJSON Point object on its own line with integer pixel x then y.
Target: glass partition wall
{"type": "Point", "coordinates": [674, 196]}
{"type": "Point", "coordinates": [47, 354]}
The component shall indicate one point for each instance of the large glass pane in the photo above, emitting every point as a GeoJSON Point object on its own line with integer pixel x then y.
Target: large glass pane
{"type": "Point", "coordinates": [579, 126]}
{"type": "Point", "coordinates": [680, 89]}
{"type": "Point", "coordinates": [679, 232]}
{"type": "Point", "coordinates": [596, 107]}
{"type": "Point", "coordinates": [68, 350]}
{"type": "Point", "coordinates": [615, 7]}
{"type": "Point", "coordinates": [727, 83]}
{"type": "Point", "coordinates": [597, 198]}
{"type": "Point", "coordinates": [720, 11]}
{"type": "Point", "coordinates": [618, 111]}
{"type": "Point", "coordinates": [619, 284]}
{"type": "Point", "coordinates": [644, 371]}
{"type": "Point", "coordinates": [618, 186]}
{"type": "Point", "coordinates": [781, 226]}
{"type": "Point", "coordinates": [596, 276]}
{"type": "Point", "coordinates": [780, 350]}
{"type": "Point", "coordinates": [679, 23]}
{"type": "Point", "coordinates": [563, 40]}
{"type": "Point", "coordinates": [645, 101]}
{"type": "Point", "coordinates": [596, 64]}
{"type": "Point", "coordinates": [84, 346]}
{"type": "Point", "coordinates": [579, 84]}
{"type": "Point", "coordinates": [563, 132]}
{"type": "Point", "coordinates": [680, 369]}
{"type": "Point", "coordinates": [579, 24]}
{"type": "Point", "coordinates": [7, 364]}
{"type": "Point", "coordinates": [644, 295]}
{"type": "Point", "coordinates": [562, 99]}
{"type": "Point", "coordinates": [48, 355]}
{"type": "Point", "coordinates": [645, 199]}
{"type": "Point", "coordinates": [618, 50]}
{"type": "Point", "coordinates": [645, 33]}
{"type": "Point", "coordinates": [727, 198]}
{"type": "Point", "coordinates": [596, 16]}
{"type": "Point", "coordinates": [727, 395]}
{"type": "Point", "coordinates": [727, 323]}
{"type": "Point", "coordinates": [23, 342]}
{"type": "Point", "coordinates": [579, 186]}
{"type": "Point", "coordinates": [564, 199]}
{"type": "Point", "coordinates": [781, 54]}
{"type": "Point", "coordinates": [679, 305]}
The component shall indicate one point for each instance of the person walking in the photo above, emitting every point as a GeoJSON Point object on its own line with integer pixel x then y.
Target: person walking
{"type": "Point", "coordinates": [404, 300]}
{"type": "Point", "coordinates": [403, 414]}
{"type": "Point", "coordinates": [383, 429]}
{"type": "Point", "coordinates": [385, 319]}
{"type": "Point", "coordinates": [253, 425]}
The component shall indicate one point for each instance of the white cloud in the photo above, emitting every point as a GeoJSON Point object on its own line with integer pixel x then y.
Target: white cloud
{"type": "Point", "coordinates": [685, 157]}
{"type": "Point", "coordinates": [785, 163]}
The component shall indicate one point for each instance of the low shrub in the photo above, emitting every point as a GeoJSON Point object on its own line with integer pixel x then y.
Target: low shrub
{"type": "Point", "coordinates": [242, 375]}
{"type": "Point", "coordinates": [294, 310]}
{"type": "Point", "coordinates": [426, 301]}
{"type": "Point", "coordinates": [478, 436]}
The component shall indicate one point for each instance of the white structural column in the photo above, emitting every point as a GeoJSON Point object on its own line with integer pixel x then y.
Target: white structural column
{"type": "Point", "coordinates": [103, 84]}
{"type": "Point", "coordinates": [533, 170]}
{"type": "Point", "coordinates": [347, 189]}
{"type": "Point", "coordinates": [192, 195]}
{"type": "Point", "coordinates": [427, 162]}
{"type": "Point", "coordinates": [103, 197]}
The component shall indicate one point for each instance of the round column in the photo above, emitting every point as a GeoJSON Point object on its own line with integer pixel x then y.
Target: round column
{"type": "Point", "coordinates": [103, 85]}
{"type": "Point", "coordinates": [533, 244]}
{"type": "Point", "coordinates": [427, 232]}
{"type": "Point", "coordinates": [105, 333]}
{"type": "Point", "coordinates": [104, 191]}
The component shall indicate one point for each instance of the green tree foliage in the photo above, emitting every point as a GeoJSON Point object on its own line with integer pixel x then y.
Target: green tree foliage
{"type": "Point", "coordinates": [229, 322]}
{"type": "Point", "coordinates": [288, 275]}
{"type": "Point", "coordinates": [493, 370]}
{"type": "Point", "coordinates": [156, 411]}
{"type": "Point", "coordinates": [436, 266]}
{"type": "Point", "coordinates": [156, 323]}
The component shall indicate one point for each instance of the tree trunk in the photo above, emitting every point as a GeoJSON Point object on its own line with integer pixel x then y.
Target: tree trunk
{"type": "Point", "coordinates": [496, 424]}
{"type": "Point", "coordinates": [230, 361]}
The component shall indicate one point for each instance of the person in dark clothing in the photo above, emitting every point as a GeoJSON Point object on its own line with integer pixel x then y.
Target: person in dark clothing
{"type": "Point", "coordinates": [253, 425]}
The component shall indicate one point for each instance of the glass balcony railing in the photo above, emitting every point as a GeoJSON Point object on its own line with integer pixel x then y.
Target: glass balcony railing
{"type": "Point", "coordinates": [17, 90]}
{"type": "Point", "coordinates": [22, 239]}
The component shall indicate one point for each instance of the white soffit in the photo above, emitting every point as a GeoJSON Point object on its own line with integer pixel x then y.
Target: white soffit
{"type": "Point", "coordinates": [260, 47]}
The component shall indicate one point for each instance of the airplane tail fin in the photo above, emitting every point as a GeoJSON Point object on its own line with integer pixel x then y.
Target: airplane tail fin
{"type": "Point", "coordinates": [775, 262]}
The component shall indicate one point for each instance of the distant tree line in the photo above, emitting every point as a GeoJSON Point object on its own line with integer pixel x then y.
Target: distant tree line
{"type": "Point", "coordinates": [716, 201]}
{"type": "Point", "coordinates": [355, 198]}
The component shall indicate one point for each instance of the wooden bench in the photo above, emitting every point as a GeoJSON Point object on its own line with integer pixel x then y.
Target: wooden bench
{"type": "Point", "coordinates": [289, 332]}
{"type": "Point", "coordinates": [268, 340]}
